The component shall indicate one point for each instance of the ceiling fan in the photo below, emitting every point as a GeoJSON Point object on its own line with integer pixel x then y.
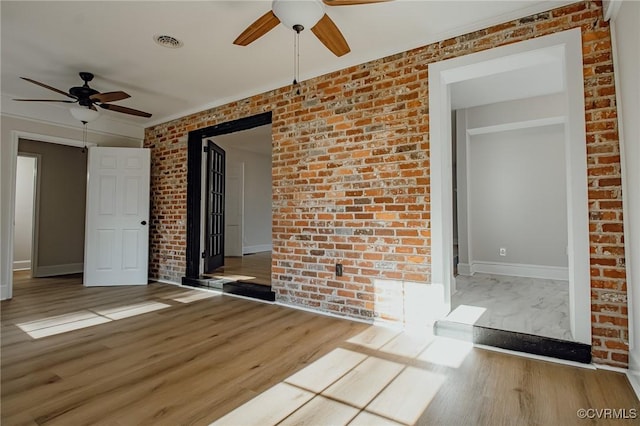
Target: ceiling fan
{"type": "Point", "coordinates": [88, 97]}
{"type": "Point", "coordinates": [301, 14]}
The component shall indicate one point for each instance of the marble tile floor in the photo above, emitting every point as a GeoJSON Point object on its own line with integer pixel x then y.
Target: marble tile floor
{"type": "Point", "coordinates": [525, 305]}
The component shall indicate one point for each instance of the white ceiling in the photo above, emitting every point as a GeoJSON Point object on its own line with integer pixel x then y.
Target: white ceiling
{"type": "Point", "coordinates": [520, 76]}
{"type": "Point", "coordinates": [52, 41]}
{"type": "Point", "coordinates": [256, 139]}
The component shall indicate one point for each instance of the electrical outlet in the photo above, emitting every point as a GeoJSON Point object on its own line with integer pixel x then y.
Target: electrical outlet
{"type": "Point", "coordinates": [338, 269]}
{"type": "Point", "coordinates": [503, 251]}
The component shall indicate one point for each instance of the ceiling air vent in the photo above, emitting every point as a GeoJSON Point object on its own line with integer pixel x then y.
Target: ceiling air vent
{"type": "Point", "coordinates": [167, 41]}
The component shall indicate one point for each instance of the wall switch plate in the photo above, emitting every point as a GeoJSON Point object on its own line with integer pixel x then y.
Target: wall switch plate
{"type": "Point", "coordinates": [503, 251]}
{"type": "Point", "coordinates": [338, 269]}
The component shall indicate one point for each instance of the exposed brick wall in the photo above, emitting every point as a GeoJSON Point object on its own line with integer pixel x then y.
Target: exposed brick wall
{"type": "Point", "coordinates": [351, 179]}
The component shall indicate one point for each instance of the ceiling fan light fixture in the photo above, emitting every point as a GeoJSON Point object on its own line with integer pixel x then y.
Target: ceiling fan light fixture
{"type": "Point", "coordinates": [84, 114]}
{"type": "Point", "coordinates": [298, 12]}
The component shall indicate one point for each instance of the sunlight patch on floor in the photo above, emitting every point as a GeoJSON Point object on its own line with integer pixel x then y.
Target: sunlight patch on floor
{"type": "Point", "coordinates": [365, 418]}
{"type": "Point", "coordinates": [322, 373]}
{"type": "Point", "coordinates": [349, 387]}
{"type": "Point", "coordinates": [56, 320]}
{"type": "Point", "coordinates": [268, 408]}
{"type": "Point", "coordinates": [86, 318]}
{"type": "Point", "coordinates": [194, 296]}
{"type": "Point", "coordinates": [374, 337]}
{"type": "Point", "coordinates": [232, 277]}
{"type": "Point", "coordinates": [408, 345]}
{"type": "Point", "coordinates": [360, 385]}
{"type": "Point", "coordinates": [321, 411]}
{"type": "Point", "coordinates": [406, 397]}
{"type": "Point", "coordinates": [447, 352]}
{"type": "Point", "coordinates": [130, 310]}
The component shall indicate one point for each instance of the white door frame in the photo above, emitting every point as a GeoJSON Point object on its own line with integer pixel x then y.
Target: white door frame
{"type": "Point", "coordinates": [6, 245]}
{"type": "Point", "coordinates": [441, 76]}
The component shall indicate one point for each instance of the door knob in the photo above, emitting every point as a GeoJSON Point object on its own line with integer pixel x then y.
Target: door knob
{"type": "Point", "coordinates": [144, 222]}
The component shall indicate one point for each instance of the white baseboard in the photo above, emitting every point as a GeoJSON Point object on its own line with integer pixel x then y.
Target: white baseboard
{"type": "Point", "coordinates": [633, 373]}
{"type": "Point", "coordinates": [464, 269]}
{"type": "Point", "coordinates": [5, 292]}
{"type": "Point", "coordinates": [53, 270]}
{"type": "Point", "coordinates": [21, 265]}
{"type": "Point", "coordinates": [323, 313]}
{"type": "Point", "coordinates": [519, 270]}
{"type": "Point", "coordinates": [257, 248]}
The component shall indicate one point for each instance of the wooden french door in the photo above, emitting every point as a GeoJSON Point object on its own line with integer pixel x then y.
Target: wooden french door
{"type": "Point", "coordinates": [214, 211]}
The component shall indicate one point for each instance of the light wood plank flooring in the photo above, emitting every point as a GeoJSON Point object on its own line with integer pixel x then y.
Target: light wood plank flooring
{"type": "Point", "coordinates": [252, 268]}
{"type": "Point", "coordinates": [166, 355]}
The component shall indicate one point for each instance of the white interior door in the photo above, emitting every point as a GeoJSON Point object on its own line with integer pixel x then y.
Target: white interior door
{"type": "Point", "coordinates": [234, 209]}
{"type": "Point", "coordinates": [116, 228]}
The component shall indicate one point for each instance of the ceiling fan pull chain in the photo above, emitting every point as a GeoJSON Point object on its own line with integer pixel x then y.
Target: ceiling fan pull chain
{"type": "Point", "coordinates": [296, 57]}
{"type": "Point", "coordinates": [84, 137]}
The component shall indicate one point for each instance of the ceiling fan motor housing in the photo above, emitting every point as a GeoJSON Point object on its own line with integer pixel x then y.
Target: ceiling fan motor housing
{"type": "Point", "coordinates": [84, 92]}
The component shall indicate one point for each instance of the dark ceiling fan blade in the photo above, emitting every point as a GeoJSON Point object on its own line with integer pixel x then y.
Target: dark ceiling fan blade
{"type": "Point", "coordinates": [125, 110]}
{"type": "Point", "coordinates": [260, 27]}
{"type": "Point", "coordinates": [48, 87]}
{"type": "Point", "coordinates": [45, 100]}
{"type": "Point", "coordinates": [109, 96]}
{"type": "Point", "coordinates": [351, 2]}
{"type": "Point", "coordinates": [329, 34]}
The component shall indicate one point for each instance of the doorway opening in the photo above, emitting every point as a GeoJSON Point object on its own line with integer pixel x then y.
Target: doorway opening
{"type": "Point", "coordinates": [247, 207]}
{"type": "Point", "coordinates": [57, 208]}
{"type": "Point", "coordinates": [229, 207]}
{"type": "Point", "coordinates": [52, 263]}
{"type": "Point", "coordinates": [25, 232]}
{"type": "Point", "coordinates": [518, 80]}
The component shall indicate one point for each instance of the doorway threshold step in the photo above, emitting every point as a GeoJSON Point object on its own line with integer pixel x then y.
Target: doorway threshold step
{"type": "Point", "coordinates": [254, 291]}
{"type": "Point", "coordinates": [515, 341]}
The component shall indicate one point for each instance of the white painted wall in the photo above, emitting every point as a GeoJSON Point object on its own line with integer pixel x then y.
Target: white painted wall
{"type": "Point", "coordinates": [626, 40]}
{"type": "Point", "coordinates": [257, 196]}
{"type": "Point", "coordinates": [11, 127]}
{"type": "Point", "coordinates": [23, 234]}
{"type": "Point", "coordinates": [518, 197]}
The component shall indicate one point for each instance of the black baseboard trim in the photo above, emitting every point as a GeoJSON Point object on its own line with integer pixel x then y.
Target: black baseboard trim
{"type": "Point", "coordinates": [253, 291]}
{"type": "Point", "coordinates": [514, 341]}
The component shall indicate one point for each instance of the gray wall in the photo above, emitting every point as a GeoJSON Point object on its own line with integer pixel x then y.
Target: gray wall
{"type": "Point", "coordinates": [518, 196]}
{"type": "Point", "coordinates": [511, 187]}
{"type": "Point", "coordinates": [63, 180]}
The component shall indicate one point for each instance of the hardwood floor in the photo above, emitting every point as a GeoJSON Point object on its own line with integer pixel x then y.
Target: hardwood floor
{"type": "Point", "coordinates": [166, 355]}
{"type": "Point", "coordinates": [252, 268]}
